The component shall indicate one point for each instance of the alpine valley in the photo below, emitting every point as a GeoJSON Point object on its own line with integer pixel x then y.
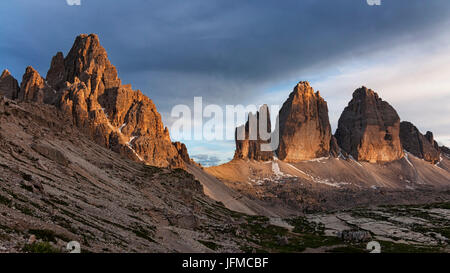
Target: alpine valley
{"type": "Point", "coordinates": [84, 157]}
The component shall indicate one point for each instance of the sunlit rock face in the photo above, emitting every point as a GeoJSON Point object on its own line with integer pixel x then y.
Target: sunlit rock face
{"type": "Point", "coordinates": [114, 115]}
{"type": "Point", "coordinates": [369, 128]}
{"type": "Point", "coordinates": [35, 89]}
{"type": "Point", "coordinates": [249, 144]}
{"type": "Point", "coordinates": [304, 127]}
{"type": "Point", "coordinates": [422, 146]}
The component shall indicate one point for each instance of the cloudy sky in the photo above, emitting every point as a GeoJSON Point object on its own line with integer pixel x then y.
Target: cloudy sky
{"type": "Point", "coordinates": [251, 52]}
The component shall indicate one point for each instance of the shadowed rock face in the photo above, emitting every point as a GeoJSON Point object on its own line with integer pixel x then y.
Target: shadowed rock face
{"type": "Point", "coordinates": [417, 144]}
{"type": "Point", "coordinates": [445, 150]}
{"type": "Point", "coordinates": [248, 146]}
{"type": "Point", "coordinates": [369, 128]}
{"type": "Point", "coordinates": [182, 151]}
{"type": "Point", "coordinates": [114, 115]}
{"type": "Point", "coordinates": [56, 73]}
{"type": "Point", "coordinates": [429, 136]}
{"type": "Point", "coordinates": [304, 127]}
{"type": "Point", "coordinates": [335, 150]}
{"type": "Point", "coordinates": [9, 87]}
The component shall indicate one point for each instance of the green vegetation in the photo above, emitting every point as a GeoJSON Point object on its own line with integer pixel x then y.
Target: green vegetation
{"type": "Point", "coordinates": [302, 225]}
{"type": "Point", "coordinates": [40, 247]}
{"type": "Point", "coordinates": [269, 238]}
{"type": "Point", "coordinates": [391, 247]}
{"type": "Point", "coordinates": [347, 249]}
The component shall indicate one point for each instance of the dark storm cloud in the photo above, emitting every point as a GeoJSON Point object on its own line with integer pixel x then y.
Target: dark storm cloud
{"type": "Point", "coordinates": [225, 50]}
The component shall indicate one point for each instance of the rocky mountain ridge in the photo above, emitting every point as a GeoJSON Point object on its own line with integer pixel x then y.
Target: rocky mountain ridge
{"type": "Point", "coordinates": [369, 129]}
{"type": "Point", "coordinates": [86, 87]}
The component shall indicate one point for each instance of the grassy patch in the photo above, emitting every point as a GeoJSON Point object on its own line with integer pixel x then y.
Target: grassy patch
{"type": "Point", "coordinates": [270, 238]}
{"type": "Point", "coordinates": [302, 225]}
{"type": "Point", "coordinates": [40, 247]}
{"type": "Point", "coordinates": [347, 249]}
{"type": "Point", "coordinates": [391, 247]}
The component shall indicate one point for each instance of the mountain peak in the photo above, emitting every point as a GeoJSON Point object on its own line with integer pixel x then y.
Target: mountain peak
{"type": "Point", "coordinates": [369, 127]}
{"type": "Point", "coordinates": [88, 60]}
{"type": "Point", "coordinates": [304, 129]}
{"type": "Point", "coordinates": [9, 87]}
{"type": "Point", "coordinates": [303, 83]}
{"type": "Point", "coordinates": [363, 92]}
{"type": "Point", "coordinates": [56, 73]}
{"type": "Point", "coordinates": [116, 116]}
{"type": "Point", "coordinates": [303, 87]}
{"type": "Point", "coordinates": [5, 73]}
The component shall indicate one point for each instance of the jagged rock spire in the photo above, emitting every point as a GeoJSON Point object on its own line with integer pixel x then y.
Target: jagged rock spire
{"type": "Point", "coordinates": [9, 87]}
{"type": "Point", "coordinates": [249, 143]}
{"type": "Point", "coordinates": [304, 126]}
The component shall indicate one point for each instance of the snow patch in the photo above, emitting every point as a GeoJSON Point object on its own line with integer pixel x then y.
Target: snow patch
{"type": "Point", "coordinates": [132, 149]}
{"type": "Point", "coordinates": [121, 127]}
{"type": "Point", "coordinates": [440, 160]}
{"type": "Point", "coordinates": [318, 159]}
{"type": "Point", "coordinates": [352, 159]}
{"type": "Point", "coordinates": [276, 169]}
{"type": "Point", "coordinates": [406, 157]}
{"type": "Point", "coordinates": [328, 183]}
{"type": "Point", "coordinates": [298, 170]}
{"type": "Point", "coordinates": [131, 140]}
